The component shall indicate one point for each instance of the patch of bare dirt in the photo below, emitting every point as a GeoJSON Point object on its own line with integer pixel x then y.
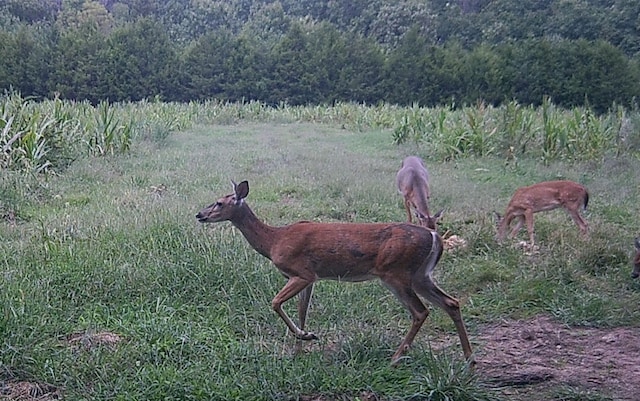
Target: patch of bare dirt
{"type": "Point", "coordinates": [89, 339]}
{"type": "Point", "coordinates": [23, 390]}
{"type": "Point", "coordinates": [528, 359]}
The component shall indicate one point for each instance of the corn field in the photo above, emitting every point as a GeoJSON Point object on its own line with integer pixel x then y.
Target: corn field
{"type": "Point", "coordinates": [46, 136]}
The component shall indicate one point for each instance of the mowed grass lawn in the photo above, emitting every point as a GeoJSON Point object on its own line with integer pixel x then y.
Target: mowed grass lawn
{"type": "Point", "coordinates": [110, 249]}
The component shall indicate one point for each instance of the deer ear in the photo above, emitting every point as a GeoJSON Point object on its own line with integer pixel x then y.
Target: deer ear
{"type": "Point", "coordinates": [241, 190]}
{"type": "Point", "coordinates": [637, 243]}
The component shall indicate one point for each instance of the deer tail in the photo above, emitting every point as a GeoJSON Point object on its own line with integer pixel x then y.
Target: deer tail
{"type": "Point", "coordinates": [586, 200]}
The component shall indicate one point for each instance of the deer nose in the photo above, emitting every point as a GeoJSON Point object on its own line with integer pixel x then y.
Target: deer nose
{"type": "Point", "coordinates": [635, 275]}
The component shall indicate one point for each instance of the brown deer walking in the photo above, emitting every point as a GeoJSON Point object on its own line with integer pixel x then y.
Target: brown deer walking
{"type": "Point", "coordinates": [636, 259]}
{"type": "Point", "coordinates": [402, 255]}
{"type": "Point", "coordinates": [412, 181]}
{"type": "Point", "coordinates": [541, 197]}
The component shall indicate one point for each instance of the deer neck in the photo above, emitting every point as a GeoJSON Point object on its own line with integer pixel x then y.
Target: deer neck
{"type": "Point", "coordinates": [260, 236]}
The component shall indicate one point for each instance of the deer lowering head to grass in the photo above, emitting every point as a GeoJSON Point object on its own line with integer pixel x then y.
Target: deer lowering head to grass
{"type": "Point", "coordinates": [403, 256]}
{"type": "Point", "coordinates": [412, 181]}
{"type": "Point", "coordinates": [541, 197]}
{"type": "Point", "coordinates": [636, 259]}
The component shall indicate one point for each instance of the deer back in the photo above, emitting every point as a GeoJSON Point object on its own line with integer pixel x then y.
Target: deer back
{"type": "Point", "coordinates": [548, 195]}
{"type": "Point", "coordinates": [412, 181]}
{"type": "Point", "coordinates": [352, 252]}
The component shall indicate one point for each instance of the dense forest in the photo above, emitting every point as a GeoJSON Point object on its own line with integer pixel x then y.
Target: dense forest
{"type": "Point", "coordinates": [426, 52]}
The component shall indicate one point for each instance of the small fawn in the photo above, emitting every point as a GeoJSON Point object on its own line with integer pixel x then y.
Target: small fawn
{"type": "Point", "coordinates": [541, 197]}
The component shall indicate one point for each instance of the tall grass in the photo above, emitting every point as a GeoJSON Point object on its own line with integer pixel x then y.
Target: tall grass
{"type": "Point", "coordinates": [35, 137]}
{"type": "Point", "coordinates": [48, 135]}
{"type": "Point", "coordinates": [104, 252]}
{"type": "Point", "coordinates": [110, 244]}
{"type": "Point", "coordinates": [108, 135]}
{"type": "Point", "coordinates": [512, 130]}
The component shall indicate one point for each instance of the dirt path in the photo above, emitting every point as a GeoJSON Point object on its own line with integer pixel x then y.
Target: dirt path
{"type": "Point", "coordinates": [533, 359]}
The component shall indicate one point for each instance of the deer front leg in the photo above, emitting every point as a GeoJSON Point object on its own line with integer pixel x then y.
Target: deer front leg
{"type": "Point", "coordinates": [407, 206]}
{"type": "Point", "coordinates": [528, 216]}
{"type": "Point", "coordinates": [294, 286]}
{"type": "Point", "coordinates": [304, 297]}
{"type": "Point", "coordinates": [519, 222]}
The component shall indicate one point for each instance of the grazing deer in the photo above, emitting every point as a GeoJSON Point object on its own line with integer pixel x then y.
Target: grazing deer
{"type": "Point", "coordinates": [636, 260]}
{"type": "Point", "coordinates": [402, 255]}
{"type": "Point", "coordinates": [541, 197]}
{"type": "Point", "coordinates": [412, 181]}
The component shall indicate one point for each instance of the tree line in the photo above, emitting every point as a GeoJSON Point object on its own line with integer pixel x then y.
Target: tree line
{"type": "Point", "coordinates": [85, 55]}
{"type": "Point", "coordinates": [469, 22]}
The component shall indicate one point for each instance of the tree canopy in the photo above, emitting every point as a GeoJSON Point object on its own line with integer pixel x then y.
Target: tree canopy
{"type": "Point", "coordinates": [311, 52]}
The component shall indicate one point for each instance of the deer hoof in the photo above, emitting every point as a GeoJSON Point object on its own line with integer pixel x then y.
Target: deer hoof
{"type": "Point", "coordinates": [396, 360]}
{"type": "Point", "coordinates": [307, 336]}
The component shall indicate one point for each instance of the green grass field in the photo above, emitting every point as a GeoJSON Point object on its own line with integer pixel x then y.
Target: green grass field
{"type": "Point", "coordinates": [112, 246]}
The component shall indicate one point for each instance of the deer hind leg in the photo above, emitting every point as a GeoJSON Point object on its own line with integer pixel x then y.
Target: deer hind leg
{"type": "Point", "coordinates": [403, 291]}
{"type": "Point", "coordinates": [579, 220]}
{"type": "Point", "coordinates": [427, 288]}
{"type": "Point", "coordinates": [294, 286]}
{"type": "Point", "coordinates": [423, 284]}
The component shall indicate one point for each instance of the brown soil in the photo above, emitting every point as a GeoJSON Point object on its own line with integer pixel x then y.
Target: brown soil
{"type": "Point", "coordinates": [22, 390]}
{"type": "Point", "coordinates": [88, 340]}
{"type": "Point", "coordinates": [536, 358]}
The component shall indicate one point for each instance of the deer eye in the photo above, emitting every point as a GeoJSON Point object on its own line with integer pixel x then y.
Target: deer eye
{"type": "Point", "coordinates": [215, 205]}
